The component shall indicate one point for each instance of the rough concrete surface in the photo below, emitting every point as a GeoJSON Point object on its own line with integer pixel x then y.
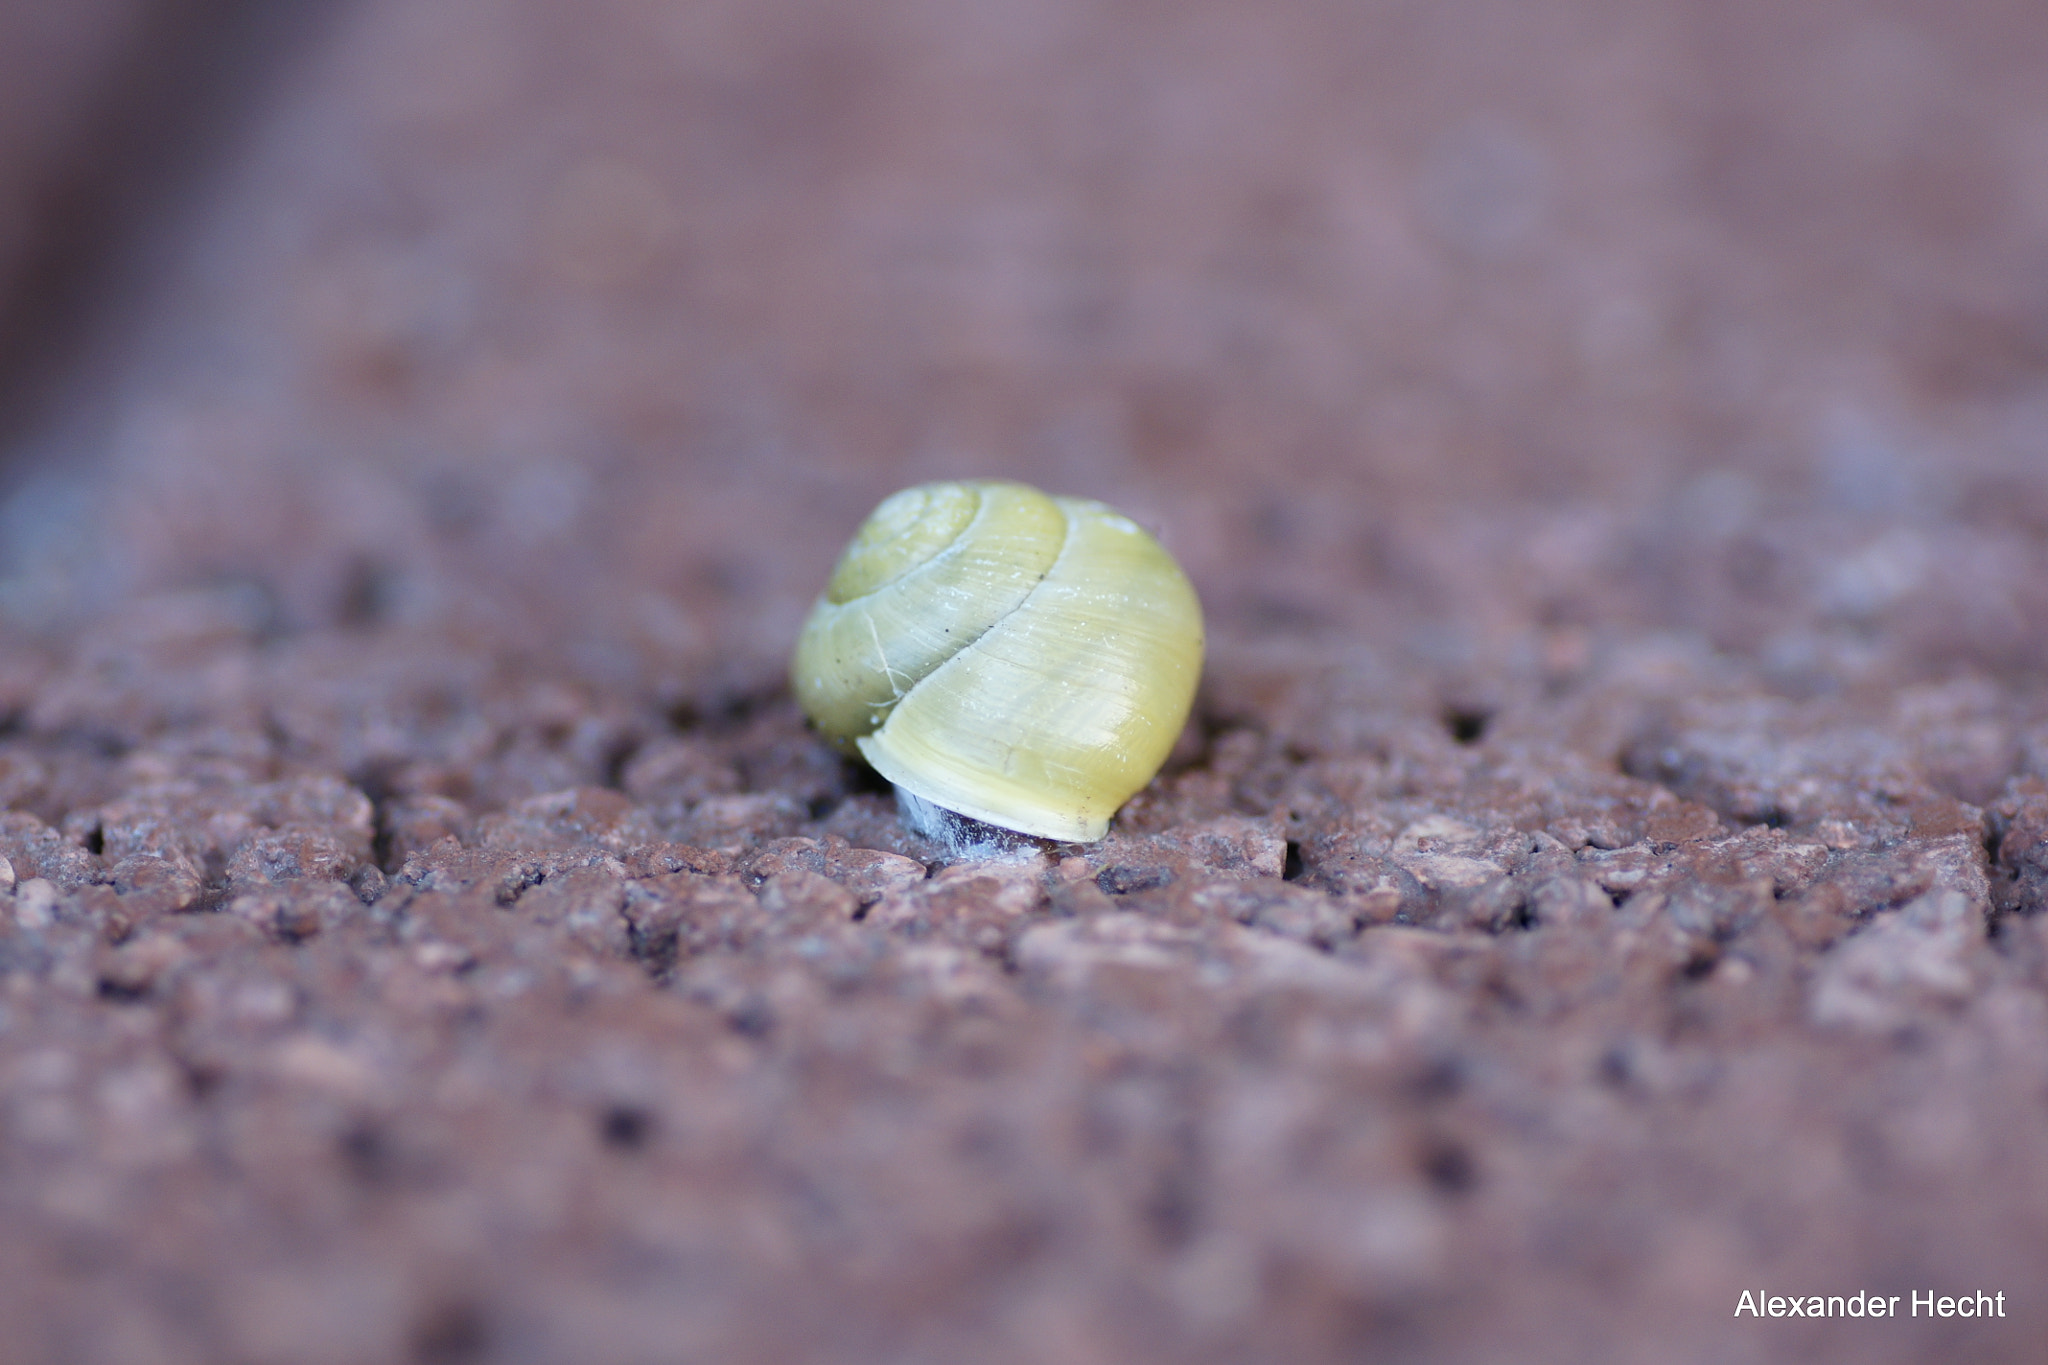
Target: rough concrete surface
{"type": "Point", "coordinates": [1604, 874]}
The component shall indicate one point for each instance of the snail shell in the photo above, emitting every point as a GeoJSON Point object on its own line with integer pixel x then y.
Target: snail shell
{"type": "Point", "coordinates": [1020, 659]}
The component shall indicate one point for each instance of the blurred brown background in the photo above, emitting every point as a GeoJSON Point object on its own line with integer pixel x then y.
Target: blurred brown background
{"type": "Point", "coordinates": [1611, 443]}
{"type": "Point", "coordinates": [1303, 284]}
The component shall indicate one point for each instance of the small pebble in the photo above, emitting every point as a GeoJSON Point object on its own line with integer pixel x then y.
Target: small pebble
{"type": "Point", "coordinates": [35, 904]}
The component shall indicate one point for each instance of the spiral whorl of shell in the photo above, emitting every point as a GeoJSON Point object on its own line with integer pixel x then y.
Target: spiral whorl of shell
{"type": "Point", "coordinates": [1021, 659]}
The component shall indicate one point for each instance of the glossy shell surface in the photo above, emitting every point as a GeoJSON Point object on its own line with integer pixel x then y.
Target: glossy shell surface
{"type": "Point", "coordinates": [1022, 659]}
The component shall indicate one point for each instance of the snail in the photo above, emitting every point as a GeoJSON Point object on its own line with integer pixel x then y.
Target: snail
{"type": "Point", "coordinates": [1020, 660]}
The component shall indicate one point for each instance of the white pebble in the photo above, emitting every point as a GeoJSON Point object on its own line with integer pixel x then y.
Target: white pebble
{"type": "Point", "coordinates": [35, 904]}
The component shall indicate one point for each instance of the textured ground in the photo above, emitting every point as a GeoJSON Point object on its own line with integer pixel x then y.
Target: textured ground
{"type": "Point", "coordinates": [1604, 874]}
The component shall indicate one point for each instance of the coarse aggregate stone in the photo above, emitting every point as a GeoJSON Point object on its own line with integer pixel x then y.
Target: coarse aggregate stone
{"type": "Point", "coordinates": [1604, 872]}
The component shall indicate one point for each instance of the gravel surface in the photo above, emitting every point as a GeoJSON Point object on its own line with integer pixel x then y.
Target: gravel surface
{"type": "Point", "coordinates": [1603, 876]}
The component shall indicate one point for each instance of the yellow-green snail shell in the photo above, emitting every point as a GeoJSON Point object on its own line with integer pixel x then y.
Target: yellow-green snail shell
{"type": "Point", "coordinates": [1023, 660]}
